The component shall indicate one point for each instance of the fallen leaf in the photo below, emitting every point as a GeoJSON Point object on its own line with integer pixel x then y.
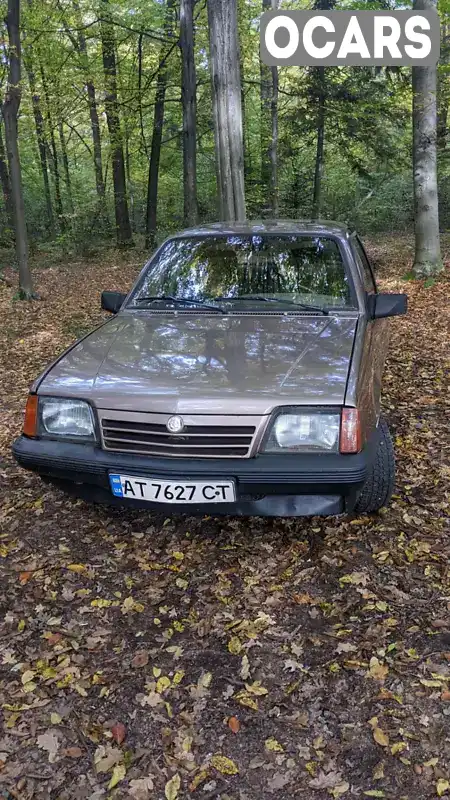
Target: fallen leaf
{"type": "Point", "coordinates": [340, 789]}
{"type": "Point", "coordinates": [377, 671]}
{"type": "Point", "coordinates": [224, 765]}
{"type": "Point", "coordinates": [49, 742]}
{"type": "Point", "coordinates": [278, 781]}
{"type": "Point", "coordinates": [140, 788]}
{"type": "Point", "coordinates": [245, 668]}
{"type": "Point", "coordinates": [118, 775]}
{"type": "Point", "coordinates": [24, 577]}
{"type": "Point", "coordinates": [105, 758]}
{"type": "Point", "coordinates": [141, 659]}
{"type": "Point", "coordinates": [163, 684]}
{"type": "Point", "coordinates": [72, 752]}
{"type": "Point", "coordinates": [345, 647]}
{"type": "Point", "coordinates": [381, 737]}
{"type": "Point", "coordinates": [442, 787]}
{"type": "Point", "coordinates": [273, 746]}
{"type": "Point", "coordinates": [398, 747]}
{"type": "Point", "coordinates": [234, 724]}
{"type": "Point", "coordinates": [326, 780]}
{"type": "Point", "coordinates": [198, 780]}
{"type": "Point", "coordinates": [172, 787]}
{"type": "Point", "coordinates": [235, 646]}
{"type": "Point", "coordinates": [374, 793]}
{"type": "Point", "coordinates": [118, 732]}
{"type": "Point", "coordinates": [27, 676]}
{"type": "Point", "coordinates": [256, 689]}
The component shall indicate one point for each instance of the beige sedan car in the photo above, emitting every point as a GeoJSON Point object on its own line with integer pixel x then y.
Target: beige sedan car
{"type": "Point", "coordinates": [240, 375]}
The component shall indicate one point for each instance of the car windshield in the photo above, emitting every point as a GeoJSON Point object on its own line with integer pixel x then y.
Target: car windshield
{"type": "Point", "coordinates": [246, 271]}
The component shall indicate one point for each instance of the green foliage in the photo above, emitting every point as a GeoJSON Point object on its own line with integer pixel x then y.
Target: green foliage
{"type": "Point", "coordinates": [367, 126]}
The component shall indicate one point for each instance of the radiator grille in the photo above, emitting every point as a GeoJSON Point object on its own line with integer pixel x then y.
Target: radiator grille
{"type": "Point", "coordinates": [201, 441]}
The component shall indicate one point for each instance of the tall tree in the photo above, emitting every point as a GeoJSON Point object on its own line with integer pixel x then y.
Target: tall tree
{"type": "Point", "coordinates": [6, 184]}
{"type": "Point", "coordinates": [158, 126]}
{"type": "Point", "coordinates": [78, 40]}
{"type": "Point", "coordinates": [428, 259]}
{"type": "Point", "coordinates": [53, 160]}
{"type": "Point", "coordinates": [11, 106]}
{"type": "Point", "coordinates": [123, 226]}
{"type": "Point", "coordinates": [227, 107]}
{"type": "Point", "coordinates": [40, 132]}
{"type": "Point", "coordinates": [269, 126]}
{"type": "Point", "coordinates": [319, 91]}
{"type": "Point", "coordinates": [189, 101]}
{"type": "Point", "coordinates": [320, 96]}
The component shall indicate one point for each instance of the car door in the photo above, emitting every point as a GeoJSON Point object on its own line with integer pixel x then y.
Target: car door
{"type": "Point", "coordinates": [376, 342]}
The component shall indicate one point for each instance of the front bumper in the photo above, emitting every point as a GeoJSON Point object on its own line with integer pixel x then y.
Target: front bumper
{"type": "Point", "coordinates": [268, 485]}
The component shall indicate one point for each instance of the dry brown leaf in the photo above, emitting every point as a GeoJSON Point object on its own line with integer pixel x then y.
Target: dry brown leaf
{"type": "Point", "coordinates": [234, 724]}
{"type": "Point", "coordinates": [141, 659]}
{"type": "Point", "coordinates": [119, 732]}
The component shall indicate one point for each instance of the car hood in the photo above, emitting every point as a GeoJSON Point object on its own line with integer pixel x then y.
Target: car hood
{"type": "Point", "coordinates": [197, 363]}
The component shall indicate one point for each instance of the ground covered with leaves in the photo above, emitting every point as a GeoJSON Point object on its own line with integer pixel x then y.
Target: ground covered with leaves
{"type": "Point", "coordinates": [152, 657]}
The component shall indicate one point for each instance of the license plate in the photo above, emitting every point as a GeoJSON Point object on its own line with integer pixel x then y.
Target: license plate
{"type": "Point", "coordinates": [173, 492]}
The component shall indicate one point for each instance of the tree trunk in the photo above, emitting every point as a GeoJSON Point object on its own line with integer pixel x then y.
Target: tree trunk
{"type": "Point", "coordinates": [158, 125]}
{"type": "Point", "coordinates": [80, 45]}
{"type": "Point", "coordinates": [53, 160]}
{"type": "Point", "coordinates": [10, 113]}
{"type": "Point", "coordinates": [62, 141]}
{"type": "Point", "coordinates": [274, 190]}
{"type": "Point", "coordinates": [6, 186]}
{"type": "Point", "coordinates": [320, 152]}
{"type": "Point", "coordinates": [227, 107]}
{"type": "Point", "coordinates": [269, 126]}
{"type": "Point", "coordinates": [40, 135]}
{"type": "Point", "coordinates": [428, 260]}
{"type": "Point", "coordinates": [123, 227]}
{"type": "Point", "coordinates": [189, 99]}
{"type": "Point", "coordinates": [443, 92]}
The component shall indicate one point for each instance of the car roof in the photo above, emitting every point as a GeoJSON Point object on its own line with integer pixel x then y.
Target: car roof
{"type": "Point", "coordinates": [271, 226]}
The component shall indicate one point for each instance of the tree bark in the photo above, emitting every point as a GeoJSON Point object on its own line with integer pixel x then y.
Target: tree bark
{"type": "Point", "coordinates": [320, 151]}
{"type": "Point", "coordinates": [62, 142]}
{"type": "Point", "coordinates": [189, 100]}
{"type": "Point", "coordinates": [53, 160]}
{"type": "Point", "coordinates": [10, 113]}
{"type": "Point", "coordinates": [40, 135]}
{"type": "Point", "coordinates": [6, 186]}
{"type": "Point", "coordinates": [123, 227]}
{"type": "Point", "coordinates": [269, 126]}
{"type": "Point", "coordinates": [227, 108]}
{"type": "Point", "coordinates": [443, 91]}
{"type": "Point", "coordinates": [428, 259]}
{"type": "Point", "coordinates": [80, 46]}
{"type": "Point", "coordinates": [158, 125]}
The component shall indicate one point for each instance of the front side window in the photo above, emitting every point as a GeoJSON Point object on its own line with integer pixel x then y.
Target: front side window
{"type": "Point", "coordinates": [244, 270]}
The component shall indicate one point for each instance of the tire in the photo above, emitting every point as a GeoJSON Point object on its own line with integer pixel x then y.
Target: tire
{"type": "Point", "coordinates": [379, 486]}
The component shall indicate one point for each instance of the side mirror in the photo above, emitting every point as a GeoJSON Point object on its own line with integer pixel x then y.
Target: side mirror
{"type": "Point", "coordinates": [112, 301]}
{"type": "Point", "coordinates": [387, 305]}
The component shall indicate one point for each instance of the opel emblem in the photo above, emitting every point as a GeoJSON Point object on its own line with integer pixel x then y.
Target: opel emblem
{"type": "Point", "coordinates": [175, 424]}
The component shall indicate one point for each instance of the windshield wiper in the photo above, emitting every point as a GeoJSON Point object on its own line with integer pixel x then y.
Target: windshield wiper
{"type": "Point", "coordinates": [178, 301]}
{"type": "Point", "coordinates": [262, 299]}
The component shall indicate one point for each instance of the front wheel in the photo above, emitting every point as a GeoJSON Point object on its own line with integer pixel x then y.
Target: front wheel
{"type": "Point", "coordinates": [379, 486]}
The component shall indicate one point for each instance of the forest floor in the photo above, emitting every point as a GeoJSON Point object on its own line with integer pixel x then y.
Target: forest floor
{"type": "Point", "coordinates": [149, 657]}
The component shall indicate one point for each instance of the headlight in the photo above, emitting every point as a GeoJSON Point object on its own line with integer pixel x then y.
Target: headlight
{"type": "Point", "coordinates": [293, 433]}
{"type": "Point", "coordinates": [70, 418]}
